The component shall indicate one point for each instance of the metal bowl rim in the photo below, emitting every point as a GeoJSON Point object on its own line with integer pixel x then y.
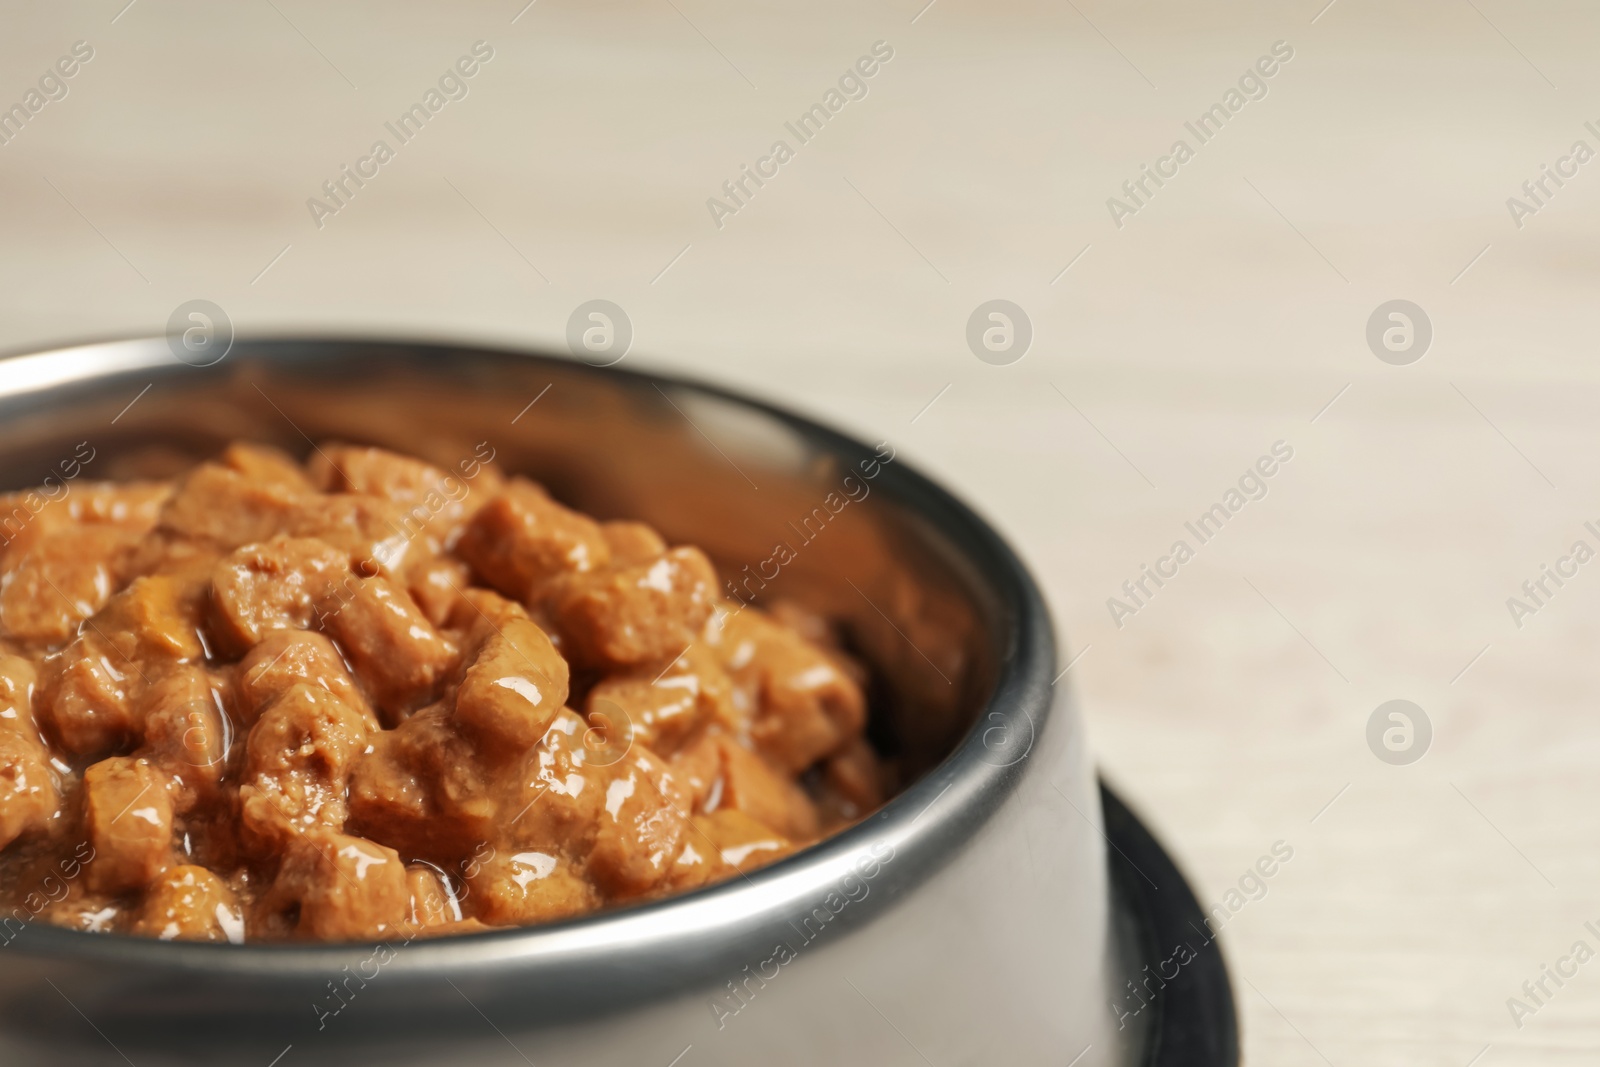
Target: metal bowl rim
{"type": "Point", "coordinates": [1023, 685]}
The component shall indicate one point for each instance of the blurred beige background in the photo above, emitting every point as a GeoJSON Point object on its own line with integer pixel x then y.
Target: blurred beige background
{"type": "Point", "coordinates": [1223, 316]}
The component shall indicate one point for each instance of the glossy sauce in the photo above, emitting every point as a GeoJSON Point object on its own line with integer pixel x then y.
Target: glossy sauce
{"type": "Point", "coordinates": [366, 697]}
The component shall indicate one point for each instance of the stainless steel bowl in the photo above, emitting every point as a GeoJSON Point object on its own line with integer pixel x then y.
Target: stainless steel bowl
{"type": "Point", "coordinates": [968, 922]}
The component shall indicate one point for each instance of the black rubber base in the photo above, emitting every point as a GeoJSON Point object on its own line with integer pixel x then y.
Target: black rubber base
{"type": "Point", "coordinates": [1176, 996]}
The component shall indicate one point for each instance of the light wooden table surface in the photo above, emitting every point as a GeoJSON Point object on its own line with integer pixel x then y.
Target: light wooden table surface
{"type": "Point", "coordinates": [1226, 314]}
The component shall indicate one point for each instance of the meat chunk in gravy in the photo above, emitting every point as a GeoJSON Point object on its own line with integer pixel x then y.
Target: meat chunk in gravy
{"type": "Point", "coordinates": [127, 814]}
{"type": "Point", "coordinates": [521, 540]}
{"type": "Point", "coordinates": [378, 696]}
{"type": "Point", "coordinates": [29, 798]}
{"type": "Point", "coordinates": [297, 765]}
{"type": "Point", "coordinates": [396, 652]}
{"type": "Point", "coordinates": [644, 613]}
{"type": "Point", "coordinates": [190, 903]}
{"type": "Point", "coordinates": [273, 585]}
